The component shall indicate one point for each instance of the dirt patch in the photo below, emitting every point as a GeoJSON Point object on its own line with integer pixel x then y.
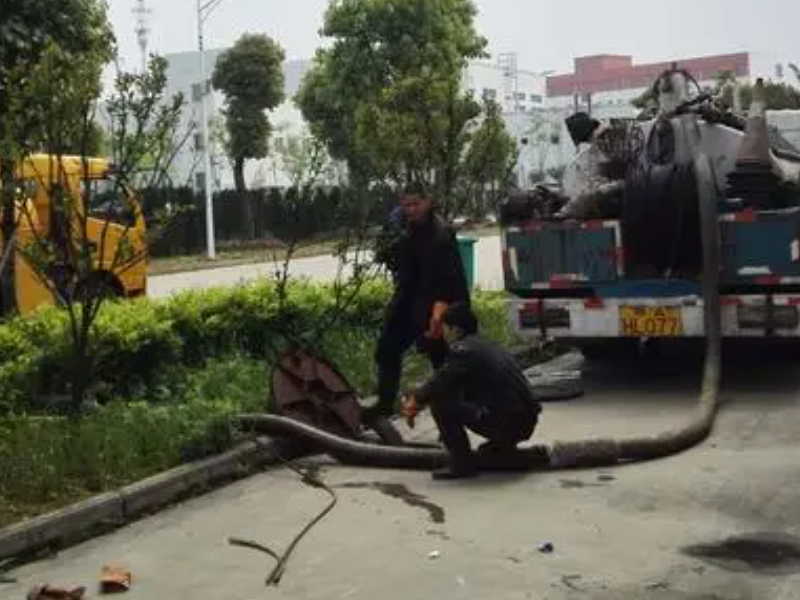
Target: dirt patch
{"type": "Point", "coordinates": [401, 492]}
{"type": "Point", "coordinates": [771, 553]}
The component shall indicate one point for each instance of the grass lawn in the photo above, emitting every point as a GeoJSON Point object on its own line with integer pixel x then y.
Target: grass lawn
{"type": "Point", "coordinates": [47, 462]}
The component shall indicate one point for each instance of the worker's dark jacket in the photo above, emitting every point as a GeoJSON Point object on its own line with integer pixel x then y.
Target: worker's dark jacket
{"type": "Point", "coordinates": [429, 270]}
{"type": "Point", "coordinates": [388, 241]}
{"type": "Point", "coordinates": [483, 374]}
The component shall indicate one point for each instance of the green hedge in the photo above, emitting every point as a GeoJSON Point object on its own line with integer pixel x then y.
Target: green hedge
{"type": "Point", "coordinates": [140, 344]}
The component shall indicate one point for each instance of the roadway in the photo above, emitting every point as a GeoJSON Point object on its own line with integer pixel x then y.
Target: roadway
{"type": "Point", "coordinates": [489, 273]}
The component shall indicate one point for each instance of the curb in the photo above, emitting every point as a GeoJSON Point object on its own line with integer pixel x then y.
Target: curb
{"type": "Point", "coordinates": [108, 511]}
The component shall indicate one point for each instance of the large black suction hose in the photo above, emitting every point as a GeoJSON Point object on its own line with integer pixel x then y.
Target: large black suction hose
{"type": "Point", "coordinates": [564, 454]}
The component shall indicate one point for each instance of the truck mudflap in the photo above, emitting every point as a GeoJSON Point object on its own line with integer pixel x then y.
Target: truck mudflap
{"type": "Point", "coordinates": [743, 316]}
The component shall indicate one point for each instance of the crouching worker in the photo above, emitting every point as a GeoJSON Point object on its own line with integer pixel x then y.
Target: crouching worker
{"type": "Point", "coordinates": [480, 387]}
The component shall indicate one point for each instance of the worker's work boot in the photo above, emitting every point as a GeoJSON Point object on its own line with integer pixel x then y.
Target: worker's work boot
{"type": "Point", "coordinates": [459, 467]}
{"type": "Point", "coordinates": [377, 419]}
{"type": "Point", "coordinates": [374, 412]}
{"type": "Point", "coordinates": [493, 447]}
{"type": "Point", "coordinates": [454, 473]}
{"type": "Point", "coordinates": [504, 456]}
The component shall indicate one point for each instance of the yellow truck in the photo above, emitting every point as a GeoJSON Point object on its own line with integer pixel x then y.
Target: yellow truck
{"type": "Point", "coordinates": [107, 228]}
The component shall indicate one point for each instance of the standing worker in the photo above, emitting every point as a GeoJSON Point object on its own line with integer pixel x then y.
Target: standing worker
{"type": "Point", "coordinates": [428, 277]}
{"type": "Point", "coordinates": [480, 387]}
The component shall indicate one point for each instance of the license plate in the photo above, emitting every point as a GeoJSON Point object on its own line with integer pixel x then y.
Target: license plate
{"type": "Point", "coordinates": [650, 321]}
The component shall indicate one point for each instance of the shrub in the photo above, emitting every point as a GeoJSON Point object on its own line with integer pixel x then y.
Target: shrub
{"type": "Point", "coordinates": [142, 347]}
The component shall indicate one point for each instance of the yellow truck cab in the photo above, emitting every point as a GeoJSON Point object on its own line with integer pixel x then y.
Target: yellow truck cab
{"type": "Point", "coordinates": [106, 229]}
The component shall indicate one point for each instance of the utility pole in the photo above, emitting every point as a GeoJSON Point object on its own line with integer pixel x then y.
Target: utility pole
{"type": "Point", "coordinates": [507, 61]}
{"type": "Point", "coordinates": [204, 9]}
{"type": "Point", "coordinates": [142, 29]}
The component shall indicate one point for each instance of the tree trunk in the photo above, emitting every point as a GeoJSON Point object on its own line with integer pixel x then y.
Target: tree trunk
{"type": "Point", "coordinates": [248, 223]}
{"type": "Point", "coordinates": [8, 300]}
{"type": "Point", "coordinates": [82, 361]}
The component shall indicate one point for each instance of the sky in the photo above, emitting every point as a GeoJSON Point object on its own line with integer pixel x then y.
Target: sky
{"type": "Point", "coordinates": [546, 34]}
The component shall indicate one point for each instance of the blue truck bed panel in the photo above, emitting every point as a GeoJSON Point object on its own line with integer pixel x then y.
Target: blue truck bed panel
{"type": "Point", "coordinates": [761, 245]}
{"type": "Point", "coordinates": [758, 248]}
{"type": "Point", "coordinates": [544, 251]}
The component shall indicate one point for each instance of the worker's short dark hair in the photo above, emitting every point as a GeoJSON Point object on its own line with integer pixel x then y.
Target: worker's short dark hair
{"type": "Point", "coordinates": [581, 127]}
{"type": "Point", "coordinates": [414, 188]}
{"type": "Point", "coordinates": [460, 315]}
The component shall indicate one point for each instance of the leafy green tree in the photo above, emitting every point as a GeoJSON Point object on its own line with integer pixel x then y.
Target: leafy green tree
{"type": "Point", "coordinates": [250, 74]}
{"type": "Point", "coordinates": [490, 161]}
{"type": "Point", "coordinates": [95, 144]}
{"type": "Point", "coordinates": [777, 95]}
{"type": "Point", "coordinates": [305, 161]}
{"type": "Point", "coordinates": [796, 70]}
{"type": "Point", "coordinates": [81, 31]}
{"type": "Point", "coordinates": [385, 95]}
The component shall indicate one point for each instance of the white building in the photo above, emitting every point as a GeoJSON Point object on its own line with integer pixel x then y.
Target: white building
{"type": "Point", "coordinates": [183, 73]}
{"type": "Point", "coordinates": [520, 93]}
{"type": "Point", "coordinates": [514, 89]}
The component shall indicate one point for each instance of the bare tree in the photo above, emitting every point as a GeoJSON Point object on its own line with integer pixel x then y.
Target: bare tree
{"type": "Point", "coordinates": [308, 164]}
{"type": "Point", "coordinates": [84, 229]}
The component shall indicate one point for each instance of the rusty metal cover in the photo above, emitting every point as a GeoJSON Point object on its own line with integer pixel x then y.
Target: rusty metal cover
{"type": "Point", "coordinates": [309, 389]}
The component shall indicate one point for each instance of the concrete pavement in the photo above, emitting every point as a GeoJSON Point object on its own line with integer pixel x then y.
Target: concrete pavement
{"type": "Point", "coordinates": [652, 530]}
{"type": "Point", "coordinates": [489, 273]}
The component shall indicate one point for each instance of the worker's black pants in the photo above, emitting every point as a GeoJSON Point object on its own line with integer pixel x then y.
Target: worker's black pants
{"type": "Point", "coordinates": [398, 335]}
{"type": "Point", "coordinates": [454, 415]}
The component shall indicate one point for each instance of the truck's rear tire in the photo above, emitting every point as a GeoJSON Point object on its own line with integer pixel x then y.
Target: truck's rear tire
{"type": "Point", "coordinates": [609, 349]}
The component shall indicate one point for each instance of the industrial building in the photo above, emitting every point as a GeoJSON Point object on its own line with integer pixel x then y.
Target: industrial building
{"type": "Point", "coordinates": [534, 106]}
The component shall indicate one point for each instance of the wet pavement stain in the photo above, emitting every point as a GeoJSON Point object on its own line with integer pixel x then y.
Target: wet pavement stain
{"type": "Point", "coordinates": [401, 492]}
{"type": "Point", "coordinates": [573, 484]}
{"type": "Point", "coordinates": [772, 553]}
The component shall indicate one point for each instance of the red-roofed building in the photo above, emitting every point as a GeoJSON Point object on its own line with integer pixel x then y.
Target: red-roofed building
{"type": "Point", "coordinates": [614, 80]}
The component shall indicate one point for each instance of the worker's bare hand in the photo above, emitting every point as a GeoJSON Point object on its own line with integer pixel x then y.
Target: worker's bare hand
{"type": "Point", "coordinates": [409, 409]}
{"type": "Point", "coordinates": [435, 324]}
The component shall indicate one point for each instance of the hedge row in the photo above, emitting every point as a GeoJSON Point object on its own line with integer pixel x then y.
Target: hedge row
{"type": "Point", "coordinates": [273, 213]}
{"type": "Point", "coordinates": [139, 344]}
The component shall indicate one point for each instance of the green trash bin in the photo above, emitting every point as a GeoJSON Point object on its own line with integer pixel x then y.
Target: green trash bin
{"type": "Point", "coordinates": [466, 248]}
